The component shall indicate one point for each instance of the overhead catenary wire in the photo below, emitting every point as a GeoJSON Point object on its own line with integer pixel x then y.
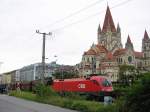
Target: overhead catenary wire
{"type": "Point", "coordinates": [74, 13]}
{"type": "Point", "coordinates": [90, 16]}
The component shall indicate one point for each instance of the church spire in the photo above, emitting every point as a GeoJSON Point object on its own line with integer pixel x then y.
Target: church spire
{"type": "Point", "coordinates": [146, 37]}
{"type": "Point", "coordinates": [129, 44]}
{"type": "Point", "coordinates": [118, 28]}
{"type": "Point", "coordinates": [129, 40]}
{"type": "Point", "coordinates": [99, 29]}
{"type": "Point", "coordinates": [108, 22]}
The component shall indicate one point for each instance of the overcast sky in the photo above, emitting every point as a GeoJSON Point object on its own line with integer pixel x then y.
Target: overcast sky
{"type": "Point", "coordinates": [21, 46]}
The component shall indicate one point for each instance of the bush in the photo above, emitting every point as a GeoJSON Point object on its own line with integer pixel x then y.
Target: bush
{"type": "Point", "coordinates": [120, 91]}
{"type": "Point", "coordinates": [44, 91]}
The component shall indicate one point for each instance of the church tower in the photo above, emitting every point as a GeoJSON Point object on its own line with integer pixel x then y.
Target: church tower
{"type": "Point", "coordinates": [129, 44]}
{"type": "Point", "coordinates": [146, 45]}
{"type": "Point", "coordinates": [146, 51]}
{"type": "Point", "coordinates": [109, 36]}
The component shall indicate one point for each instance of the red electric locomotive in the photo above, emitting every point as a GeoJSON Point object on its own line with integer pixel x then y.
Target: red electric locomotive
{"type": "Point", "coordinates": [96, 85]}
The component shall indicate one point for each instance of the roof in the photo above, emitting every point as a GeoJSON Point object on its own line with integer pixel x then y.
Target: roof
{"type": "Point", "coordinates": [90, 52]}
{"type": "Point", "coordinates": [108, 22]}
{"type": "Point", "coordinates": [119, 52]}
{"type": "Point", "coordinates": [118, 27]}
{"type": "Point", "coordinates": [109, 57]}
{"type": "Point", "coordinates": [129, 40]}
{"type": "Point", "coordinates": [96, 50]}
{"type": "Point", "coordinates": [138, 54]}
{"type": "Point", "coordinates": [100, 49]}
{"type": "Point", "coordinates": [99, 29]}
{"type": "Point", "coordinates": [146, 37]}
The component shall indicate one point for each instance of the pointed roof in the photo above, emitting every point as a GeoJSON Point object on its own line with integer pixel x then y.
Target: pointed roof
{"type": "Point", "coordinates": [100, 49]}
{"type": "Point", "coordinates": [90, 52]}
{"type": "Point", "coordinates": [108, 22]}
{"type": "Point", "coordinates": [118, 27]}
{"type": "Point", "coordinates": [99, 29]}
{"type": "Point", "coordinates": [129, 40]}
{"type": "Point", "coordinates": [119, 52]}
{"type": "Point", "coordinates": [146, 37]}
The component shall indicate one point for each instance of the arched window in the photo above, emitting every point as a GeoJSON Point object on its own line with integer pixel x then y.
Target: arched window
{"type": "Point", "coordinates": [120, 60]}
{"type": "Point", "coordinates": [92, 59]}
{"type": "Point", "coordinates": [87, 59]}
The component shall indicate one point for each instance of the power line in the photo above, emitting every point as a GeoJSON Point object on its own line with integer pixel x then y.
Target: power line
{"type": "Point", "coordinates": [74, 13]}
{"type": "Point", "coordinates": [91, 16]}
{"type": "Point", "coordinates": [120, 4]}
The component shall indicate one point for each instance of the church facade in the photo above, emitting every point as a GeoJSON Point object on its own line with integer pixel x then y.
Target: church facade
{"type": "Point", "coordinates": [108, 54]}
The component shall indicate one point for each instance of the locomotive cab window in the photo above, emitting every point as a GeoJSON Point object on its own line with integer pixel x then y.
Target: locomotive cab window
{"type": "Point", "coordinates": [106, 83]}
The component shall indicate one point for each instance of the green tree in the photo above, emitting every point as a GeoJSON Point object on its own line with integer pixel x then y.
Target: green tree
{"type": "Point", "coordinates": [138, 97]}
{"type": "Point", "coordinates": [44, 91]}
{"type": "Point", "coordinates": [127, 74]}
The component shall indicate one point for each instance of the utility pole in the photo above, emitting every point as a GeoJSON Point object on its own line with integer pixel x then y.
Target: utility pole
{"type": "Point", "coordinates": [43, 53]}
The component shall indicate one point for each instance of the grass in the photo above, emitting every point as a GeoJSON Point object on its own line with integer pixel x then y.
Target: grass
{"type": "Point", "coordinates": [75, 104]}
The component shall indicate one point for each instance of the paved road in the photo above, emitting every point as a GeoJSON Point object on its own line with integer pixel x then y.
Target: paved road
{"type": "Point", "coordinates": [12, 104]}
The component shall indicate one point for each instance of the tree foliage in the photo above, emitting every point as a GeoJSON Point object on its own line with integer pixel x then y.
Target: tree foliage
{"type": "Point", "coordinates": [127, 74]}
{"type": "Point", "coordinates": [43, 91]}
{"type": "Point", "coordinates": [138, 97]}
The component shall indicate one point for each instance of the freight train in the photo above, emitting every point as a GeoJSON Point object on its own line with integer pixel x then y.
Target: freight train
{"type": "Point", "coordinates": [95, 86]}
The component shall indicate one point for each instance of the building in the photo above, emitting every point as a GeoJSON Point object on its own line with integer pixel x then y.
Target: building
{"type": "Point", "coordinates": [34, 71]}
{"type": "Point", "coordinates": [6, 78]}
{"type": "Point", "coordinates": [108, 54]}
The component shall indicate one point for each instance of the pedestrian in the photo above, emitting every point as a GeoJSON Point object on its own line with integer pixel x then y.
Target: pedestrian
{"type": "Point", "coordinates": [18, 86]}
